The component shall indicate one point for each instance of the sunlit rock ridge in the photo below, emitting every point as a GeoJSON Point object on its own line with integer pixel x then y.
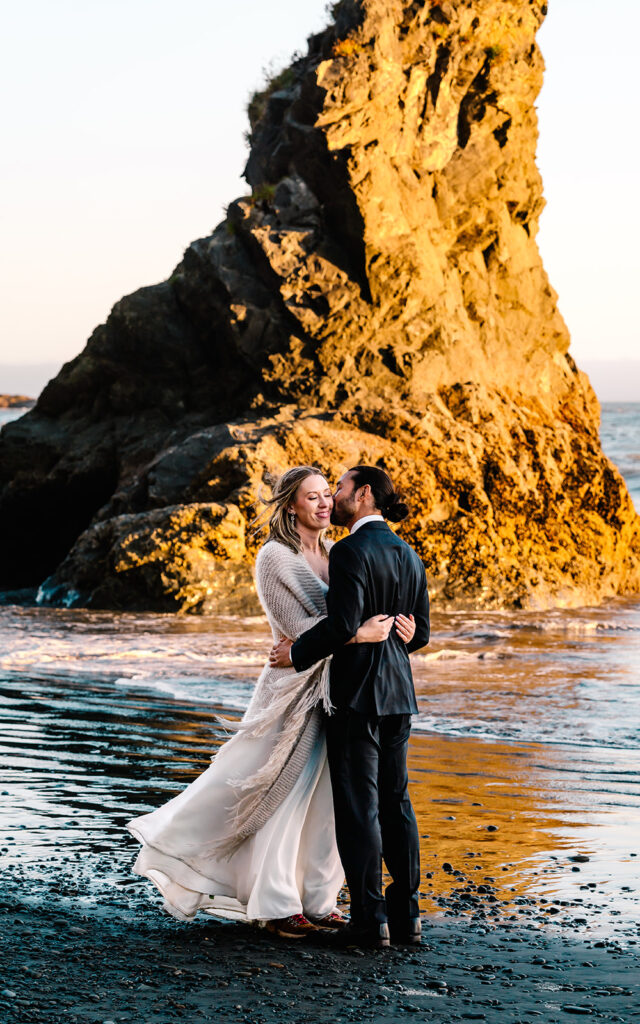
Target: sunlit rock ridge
{"type": "Point", "coordinates": [379, 297]}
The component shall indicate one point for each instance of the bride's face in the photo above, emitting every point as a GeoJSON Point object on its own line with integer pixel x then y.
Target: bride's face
{"type": "Point", "coordinates": [312, 503]}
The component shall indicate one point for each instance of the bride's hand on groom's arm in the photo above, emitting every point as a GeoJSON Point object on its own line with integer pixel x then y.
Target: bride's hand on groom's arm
{"type": "Point", "coordinates": [405, 627]}
{"type": "Point", "coordinates": [279, 655]}
{"type": "Point", "coordinates": [373, 630]}
{"type": "Point", "coordinates": [377, 629]}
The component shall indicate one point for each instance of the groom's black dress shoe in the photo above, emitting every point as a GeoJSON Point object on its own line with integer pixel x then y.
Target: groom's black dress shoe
{"type": "Point", "coordinates": [374, 937]}
{"type": "Point", "coordinates": [407, 934]}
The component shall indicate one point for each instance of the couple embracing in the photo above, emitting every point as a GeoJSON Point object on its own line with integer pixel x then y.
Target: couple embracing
{"type": "Point", "coordinates": [313, 785]}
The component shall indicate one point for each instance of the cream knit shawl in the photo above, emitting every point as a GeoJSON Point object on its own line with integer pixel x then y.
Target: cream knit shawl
{"type": "Point", "coordinates": [293, 598]}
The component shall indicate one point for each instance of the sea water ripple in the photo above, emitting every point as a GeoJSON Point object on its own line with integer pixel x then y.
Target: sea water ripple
{"type": "Point", "coordinates": [556, 677]}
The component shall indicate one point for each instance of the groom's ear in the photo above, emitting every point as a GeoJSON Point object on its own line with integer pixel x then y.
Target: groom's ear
{"type": "Point", "coordinates": [363, 492]}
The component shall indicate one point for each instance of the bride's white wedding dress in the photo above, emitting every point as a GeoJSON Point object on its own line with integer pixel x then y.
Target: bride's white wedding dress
{"type": "Point", "coordinates": [289, 866]}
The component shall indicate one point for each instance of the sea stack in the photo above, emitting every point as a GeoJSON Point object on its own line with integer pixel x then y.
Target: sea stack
{"type": "Point", "coordinates": [378, 297]}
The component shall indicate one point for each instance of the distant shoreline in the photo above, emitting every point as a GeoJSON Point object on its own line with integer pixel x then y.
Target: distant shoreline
{"type": "Point", "coordinates": [16, 402]}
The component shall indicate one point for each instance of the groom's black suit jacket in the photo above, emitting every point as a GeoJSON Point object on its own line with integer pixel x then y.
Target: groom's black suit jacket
{"type": "Point", "coordinates": [371, 572]}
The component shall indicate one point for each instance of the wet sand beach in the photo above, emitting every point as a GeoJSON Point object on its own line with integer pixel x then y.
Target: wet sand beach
{"type": "Point", "coordinates": [128, 964]}
{"type": "Point", "coordinates": [524, 774]}
{"type": "Point", "coordinates": [529, 849]}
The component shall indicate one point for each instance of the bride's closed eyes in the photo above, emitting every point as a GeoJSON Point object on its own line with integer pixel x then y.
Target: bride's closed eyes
{"type": "Point", "coordinates": [314, 495]}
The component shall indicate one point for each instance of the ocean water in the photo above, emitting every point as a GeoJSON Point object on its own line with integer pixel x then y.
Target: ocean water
{"type": "Point", "coordinates": [528, 721]}
{"type": "Point", "coordinates": [569, 677]}
{"type": "Point", "coordinates": [620, 436]}
{"type": "Point", "coordinates": [6, 415]}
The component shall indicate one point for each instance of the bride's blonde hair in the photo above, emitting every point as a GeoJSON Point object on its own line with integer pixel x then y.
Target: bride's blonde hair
{"type": "Point", "coordinates": [275, 517]}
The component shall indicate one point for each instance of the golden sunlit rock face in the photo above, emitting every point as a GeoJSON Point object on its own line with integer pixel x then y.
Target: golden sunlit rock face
{"type": "Point", "coordinates": [379, 297]}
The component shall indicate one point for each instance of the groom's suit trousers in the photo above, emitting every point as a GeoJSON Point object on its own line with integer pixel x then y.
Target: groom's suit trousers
{"type": "Point", "coordinates": [374, 816]}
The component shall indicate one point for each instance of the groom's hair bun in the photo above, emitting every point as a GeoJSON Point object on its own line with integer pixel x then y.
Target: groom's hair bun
{"type": "Point", "coordinates": [396, 510]}
{"type": "Point", "coordinates": [384, 494]}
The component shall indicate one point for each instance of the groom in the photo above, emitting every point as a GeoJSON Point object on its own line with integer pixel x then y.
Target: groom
{"type": "Point", "coordinates": [371, 572]}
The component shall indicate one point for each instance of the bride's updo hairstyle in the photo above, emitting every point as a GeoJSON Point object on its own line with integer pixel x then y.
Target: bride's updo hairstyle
{"type": "Point", "coordinates": [280, 524]}
{"type": "Point", "coordinates": [384, 495]}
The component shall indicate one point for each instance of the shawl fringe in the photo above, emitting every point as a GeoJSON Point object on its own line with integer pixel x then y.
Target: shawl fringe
{"type": "Point", "coordinates": [294, 600]}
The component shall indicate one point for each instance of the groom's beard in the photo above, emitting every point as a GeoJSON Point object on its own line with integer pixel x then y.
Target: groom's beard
{"type": "Point", "coordinates": [342, 513]}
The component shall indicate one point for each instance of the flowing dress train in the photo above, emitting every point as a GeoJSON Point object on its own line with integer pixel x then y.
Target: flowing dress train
{"type": "Point", "coordinates": [289, 866]}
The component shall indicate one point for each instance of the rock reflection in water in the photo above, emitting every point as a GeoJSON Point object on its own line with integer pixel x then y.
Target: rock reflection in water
{"type": "Point", "coordinates": [78, 760]}
{"type": "Point", "coordinates": [526, 829]}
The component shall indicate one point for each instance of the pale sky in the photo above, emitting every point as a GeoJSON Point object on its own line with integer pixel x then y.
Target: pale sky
{"type": "Point", "coordinates": [122, 139]}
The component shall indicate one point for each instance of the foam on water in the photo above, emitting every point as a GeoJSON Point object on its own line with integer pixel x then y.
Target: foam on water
{"type": "Point", "coordinates": [570, 677]}
{"type": "Point", "coordinates": [7, 415]}
{"type": "Point", "coordinates": [232, 695]}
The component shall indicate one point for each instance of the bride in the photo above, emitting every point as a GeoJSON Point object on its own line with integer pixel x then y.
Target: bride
{"type": "Point", "coordinates": [253, 837]}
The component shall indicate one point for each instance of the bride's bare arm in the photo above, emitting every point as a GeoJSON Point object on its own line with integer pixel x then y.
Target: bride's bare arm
{"type": "Point", "coordinates": [373, 630]}
{"type": "Point", "coordinates": [377, 628]}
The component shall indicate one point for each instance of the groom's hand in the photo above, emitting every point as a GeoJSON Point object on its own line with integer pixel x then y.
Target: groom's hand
{"type": "Point", "coordinates": [279, 656]}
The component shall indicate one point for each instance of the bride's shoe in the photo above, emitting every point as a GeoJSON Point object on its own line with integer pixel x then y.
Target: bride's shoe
{"type": "Point", "coordinates": [332, 922]}
{"type": "Point", "coordinates": [295, 927]}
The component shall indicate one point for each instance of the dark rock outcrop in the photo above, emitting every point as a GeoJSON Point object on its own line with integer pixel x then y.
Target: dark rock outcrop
{"type": "Point", "coordinates": [378, 297]}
